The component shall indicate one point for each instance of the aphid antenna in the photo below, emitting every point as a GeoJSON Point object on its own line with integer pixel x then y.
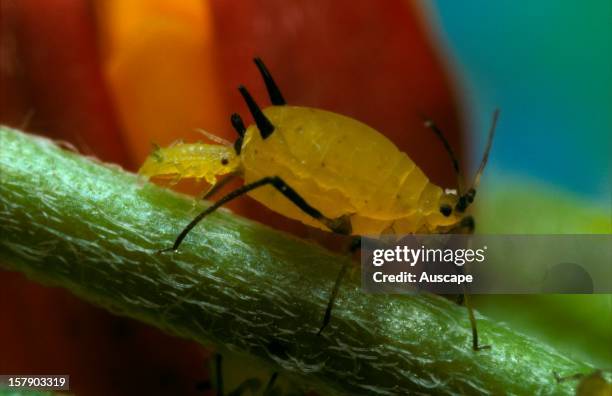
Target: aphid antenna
{"type": "Point", "coordinates": [177, 142]}
{"type": "Point", "coordinates": [274, 93]}
{"type": "Point", "coordinates": [263, 124]}
{"type": "Point", "coordinates": [466, 199]}
{"type": "Point", "coordinates": [427, 122]}
{"type": "Point", "coordinates": [213, 137]}
{"type": "Point", "coordinates": [485, 156]}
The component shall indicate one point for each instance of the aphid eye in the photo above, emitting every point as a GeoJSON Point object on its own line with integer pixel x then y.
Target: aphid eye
{"type": "Point", "coordinates": [446, 210]}
{"type": "Point", "coordinates": [224, 161]}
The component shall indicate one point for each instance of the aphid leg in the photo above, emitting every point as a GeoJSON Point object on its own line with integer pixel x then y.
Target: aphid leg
{"type": "Point", "coordinates": [332, 297]}
{"type": "Point", "coordinates": [219, 374]}
{"type": "Point", "coordinates": [249, 385]}
{"type": "Point", "coordinates": [470, 310]}
{"type": "Point", "coordinates": [354, 245]}
{"type": "Point", "coordinates": [218, 186]}
{"type": "Point", "coordinates": [341, 225]}
{"type": "Point", "coordinates": [475, 345]}
{"type": "Point", "coordinates": [466, 226]}
{"type": "Point", "coordinates": [207, 385]}
{"type": "Point", "coordinates": [473, 324]}
{"type": "Point", "coordinates": [270, 386]}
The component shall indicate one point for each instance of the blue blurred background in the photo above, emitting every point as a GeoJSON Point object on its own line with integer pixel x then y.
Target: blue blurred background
{"type": "Point", "coordinates": [548, 66]}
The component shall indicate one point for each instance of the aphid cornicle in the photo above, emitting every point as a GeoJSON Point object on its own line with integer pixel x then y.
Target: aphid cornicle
{"type": "Point", "coordinates": [324, 169]}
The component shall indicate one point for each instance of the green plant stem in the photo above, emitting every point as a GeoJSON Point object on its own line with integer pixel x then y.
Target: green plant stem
{"type": "Point", "coordinates": [72, 222]}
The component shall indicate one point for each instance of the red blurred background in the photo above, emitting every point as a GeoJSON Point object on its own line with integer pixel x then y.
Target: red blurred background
{"type": "Point", "coordinates": [111, 77]}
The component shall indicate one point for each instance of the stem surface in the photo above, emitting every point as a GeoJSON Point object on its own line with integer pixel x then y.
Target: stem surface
{"type": "Point", "coordinates": [69, 221]}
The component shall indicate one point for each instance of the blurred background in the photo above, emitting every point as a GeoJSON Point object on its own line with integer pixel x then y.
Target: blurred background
{"type": "Point", "coordinates": [111, 77]}
{"type": "Point", "coordinates": [547, 65]}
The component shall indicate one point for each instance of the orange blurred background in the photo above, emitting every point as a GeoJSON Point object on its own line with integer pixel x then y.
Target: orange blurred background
{"type": "Point", "coordinates": [112, 76]}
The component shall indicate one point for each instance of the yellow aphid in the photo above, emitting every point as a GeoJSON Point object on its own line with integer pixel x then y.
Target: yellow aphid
{"type": "Point", "coordinates": [323, 169]}
{"type": "Point", "coordinates": [196, 160]}
{"type": "Point", "coordinates": [322, 156]}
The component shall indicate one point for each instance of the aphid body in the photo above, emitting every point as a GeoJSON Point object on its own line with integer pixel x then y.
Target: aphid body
{"type": "Point", "coordinates": [342, 167]}
{"type": "Point", "coordinates": [338, 165]}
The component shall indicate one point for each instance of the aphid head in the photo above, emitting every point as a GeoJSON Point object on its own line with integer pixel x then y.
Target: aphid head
{"type": "Point", "coordinates": [448, 219]}
{"type": "Point", "coordinates": [446, 216]}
